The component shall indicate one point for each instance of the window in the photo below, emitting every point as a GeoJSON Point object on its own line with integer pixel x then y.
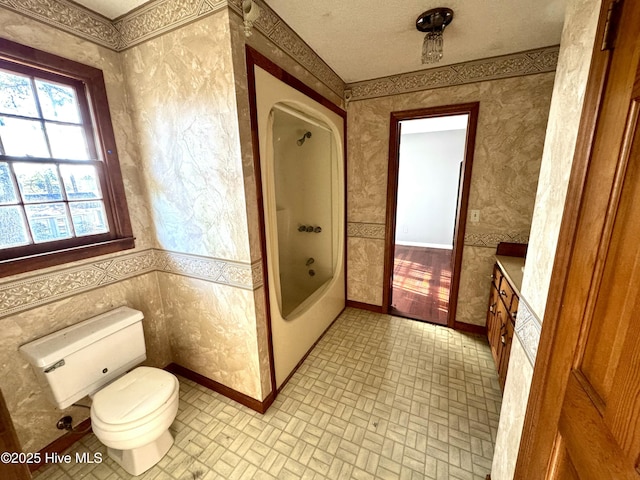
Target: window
{"type": "Point", "coordinates": [61, 191]}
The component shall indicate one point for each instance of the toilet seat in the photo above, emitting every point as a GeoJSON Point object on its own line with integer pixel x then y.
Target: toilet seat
{"type": "Point", "coordinates": [134, 400]}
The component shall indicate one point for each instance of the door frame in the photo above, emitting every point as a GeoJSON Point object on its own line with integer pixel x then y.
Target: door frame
{"type": "Point", "coordinates": [470, 109]}
{"type": "Point", "coordinates": [579, 260]}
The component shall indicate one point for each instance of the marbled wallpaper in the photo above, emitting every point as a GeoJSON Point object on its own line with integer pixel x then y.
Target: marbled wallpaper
{"type": "Point", "coordinates": [181, 90]}
{"type": "Point", "coordinates": [212, 330]}
{"type": "Point", "coordinates": [186, 109]}
{"type": "Point", "coordinates": [34, 416]}
{"type": "Point", "coordinates": [578, 36]}
{"type": "Point", "coordinates": [509, 140]}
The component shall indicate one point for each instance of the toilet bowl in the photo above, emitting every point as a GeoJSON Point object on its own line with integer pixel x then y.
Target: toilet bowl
{"type": "Point", "coordinates": [132, 416]}
{"type": "Point", "coordinates": [131, 412]}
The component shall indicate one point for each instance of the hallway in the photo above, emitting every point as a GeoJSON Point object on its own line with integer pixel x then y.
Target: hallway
{"type": "Point", "coordinates": [378, 397]}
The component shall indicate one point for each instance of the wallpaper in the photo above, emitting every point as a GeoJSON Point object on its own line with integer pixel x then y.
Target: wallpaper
{"type": "Point", "coordinates": [510, 136]}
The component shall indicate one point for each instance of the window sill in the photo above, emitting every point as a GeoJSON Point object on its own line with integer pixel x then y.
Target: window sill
{"type": "Point", "coordinates": [59, 257]}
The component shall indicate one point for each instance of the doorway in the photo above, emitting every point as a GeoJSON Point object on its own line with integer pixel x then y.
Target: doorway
{"type": "Point", "coordinates": [430, 163]}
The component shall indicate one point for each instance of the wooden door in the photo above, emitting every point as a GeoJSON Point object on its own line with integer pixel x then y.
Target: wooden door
{"type": "Point", "coordinates": [583, 421]}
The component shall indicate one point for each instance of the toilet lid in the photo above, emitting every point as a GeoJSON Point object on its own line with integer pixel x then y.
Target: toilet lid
{"type": "Point", "coordinates": [133, 396]}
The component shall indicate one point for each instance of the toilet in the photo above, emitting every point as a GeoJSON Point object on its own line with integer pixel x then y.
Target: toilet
{"type": "Point", "coordinates": [132, 406]}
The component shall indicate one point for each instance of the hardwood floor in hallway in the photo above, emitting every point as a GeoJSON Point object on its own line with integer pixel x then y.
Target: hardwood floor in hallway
{"type": "Point", "coordinates": [421, 283]}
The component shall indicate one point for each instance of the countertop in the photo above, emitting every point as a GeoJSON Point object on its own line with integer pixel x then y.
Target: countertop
{"type": "Point", "coordinates": [512, 267]}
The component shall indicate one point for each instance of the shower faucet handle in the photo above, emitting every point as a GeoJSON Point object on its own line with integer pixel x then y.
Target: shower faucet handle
{"type": "Point", "coordinates": [309, 228]}
{"type": "Point", "coordinates": [302, 228]}
{"type": "Point", "coordinates": [317, 230]}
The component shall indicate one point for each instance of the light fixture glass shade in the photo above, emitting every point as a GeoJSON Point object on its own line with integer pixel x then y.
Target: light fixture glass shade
{"type": "Point", "coordinates": [432, 47]}
{"type": "Point", "coordinates": [432, 23]}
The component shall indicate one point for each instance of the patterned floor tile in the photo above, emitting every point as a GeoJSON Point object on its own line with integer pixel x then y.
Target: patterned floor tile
{"type": "Point", "coordinates": [379, 397]}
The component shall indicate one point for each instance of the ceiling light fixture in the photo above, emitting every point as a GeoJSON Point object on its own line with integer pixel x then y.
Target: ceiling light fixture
{"type": "Point", "coordinates": [432, 23]}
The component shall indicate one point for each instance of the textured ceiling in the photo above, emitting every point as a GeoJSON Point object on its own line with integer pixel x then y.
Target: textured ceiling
{"type": "Point", "coordinates": [365, 39]}
{"type": "Point", "coordinates": [111, 8]}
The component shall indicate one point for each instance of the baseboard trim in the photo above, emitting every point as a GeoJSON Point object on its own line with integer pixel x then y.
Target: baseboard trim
{"type": "Point", "coordinates": [246, 400]}
{"type": "Point", "coordinates": [470, 328]}
{"type": "Point", "coordinates": [365, 306]}
{"type": "Point", "coordinates": [60, 444]}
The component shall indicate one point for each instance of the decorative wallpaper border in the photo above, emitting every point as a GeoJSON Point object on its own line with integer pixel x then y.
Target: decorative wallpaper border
{"type": "Point", "coordinates": [376, 231]}
{"type": "Point", "coordinates": [539, 60]}
{"type": "Point", "coordinates": [528, 328]}
{"type": "Point", "coordinates": [70, 17]}
{"type": "Point", "coordinates": [493, 239]}
{"type": "Point", "coordinates": [17, 296]}
{"type": "Point", "coordinates": [276, 30]}
{"type": "Point", "coordinates": [366, 230]}
{"type": "Point", "coordinates": [161, 16]}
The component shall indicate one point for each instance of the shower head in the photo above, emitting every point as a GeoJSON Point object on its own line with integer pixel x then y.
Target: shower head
{"type": "Point", "coordinates": [306, 135]}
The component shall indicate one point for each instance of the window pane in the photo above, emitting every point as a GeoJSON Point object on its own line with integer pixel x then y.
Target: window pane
{"type": "Point", "coordinates": [23, 138]}
{"type": "Point", "coordinates": [89, 218]}
{"type": "Point", "coordinates": [48, 222]}
{"type": "Point", "coordinates": [38, 182]}
{"type": "Point", "coordinates": [14, 231]}
{"type": "Point", "coordinates": [8, 192]}
{"type": "Point", "coordinates": [16, 95]}
{"type": "Point", "coordinates": [80, 182]}
{"type": "Point", "coordinates": [58, 102]}
{"type": "Point", "coordinates": [67, 141]}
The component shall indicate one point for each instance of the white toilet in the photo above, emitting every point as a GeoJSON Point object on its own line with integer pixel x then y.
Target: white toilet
{"type": "Point", "coordinates": [131, 412]}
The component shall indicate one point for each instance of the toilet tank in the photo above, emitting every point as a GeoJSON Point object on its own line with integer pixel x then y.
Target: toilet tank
{"type": "Point", "coordinates": [80, 359]}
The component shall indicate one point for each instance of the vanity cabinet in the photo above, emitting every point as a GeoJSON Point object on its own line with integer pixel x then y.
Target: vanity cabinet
{"type": "Point", "coordinates": [501, 315]}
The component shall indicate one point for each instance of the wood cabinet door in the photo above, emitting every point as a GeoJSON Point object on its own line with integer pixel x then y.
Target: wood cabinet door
{"type": "Point", "coordinates": [506, 337]}
{"type": "Point", "coordinates": [493, 324]}
{"type": "Point", "coordinates": [595, 362]}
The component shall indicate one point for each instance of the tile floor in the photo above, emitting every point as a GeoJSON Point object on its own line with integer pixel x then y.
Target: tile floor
{"type": "Point", "coordinates": [380, 397]}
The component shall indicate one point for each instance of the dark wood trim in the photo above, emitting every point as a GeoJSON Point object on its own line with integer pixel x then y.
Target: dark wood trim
{"type": "Point", "coordinates": [50, 259]}
{"type": "Point", "coordinates": [558, 340]}
{"type": "Point", "coordinates": [254, 58]}
{"type": "Point", "coordinates": [365, 306]}
{"type": "Point", "coordinates": [472, 110]}
{"type": "Point", "coordinates": [63, 442]}
{"type": "Point", "coordinates": [512, 249]}
{"type": "Point", "coordinates": [470, 328]}
{"type": "Point", "coordinates": [92, 97]}
{"type": "Point", "coordinates": [9, 443]}
{"type": "Point", "coordinates": [257, 171]}
{"type": "Point", "coordinates": [246, 400]}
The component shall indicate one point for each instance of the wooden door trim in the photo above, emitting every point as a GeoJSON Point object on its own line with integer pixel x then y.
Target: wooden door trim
{"type": "Point", "coordinates": [9, 443]}
{"type": "Point", "coordinates": [471, 109]}
{"type": "Point", "coordinates": [570, 284]}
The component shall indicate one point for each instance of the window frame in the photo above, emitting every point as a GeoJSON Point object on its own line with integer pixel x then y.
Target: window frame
{"type": "Point", "coordinates": [95, 109]}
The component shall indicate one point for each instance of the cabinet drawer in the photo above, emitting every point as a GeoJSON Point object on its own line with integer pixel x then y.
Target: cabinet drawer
{"type": "Point", "coordinates": [506, 293]}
